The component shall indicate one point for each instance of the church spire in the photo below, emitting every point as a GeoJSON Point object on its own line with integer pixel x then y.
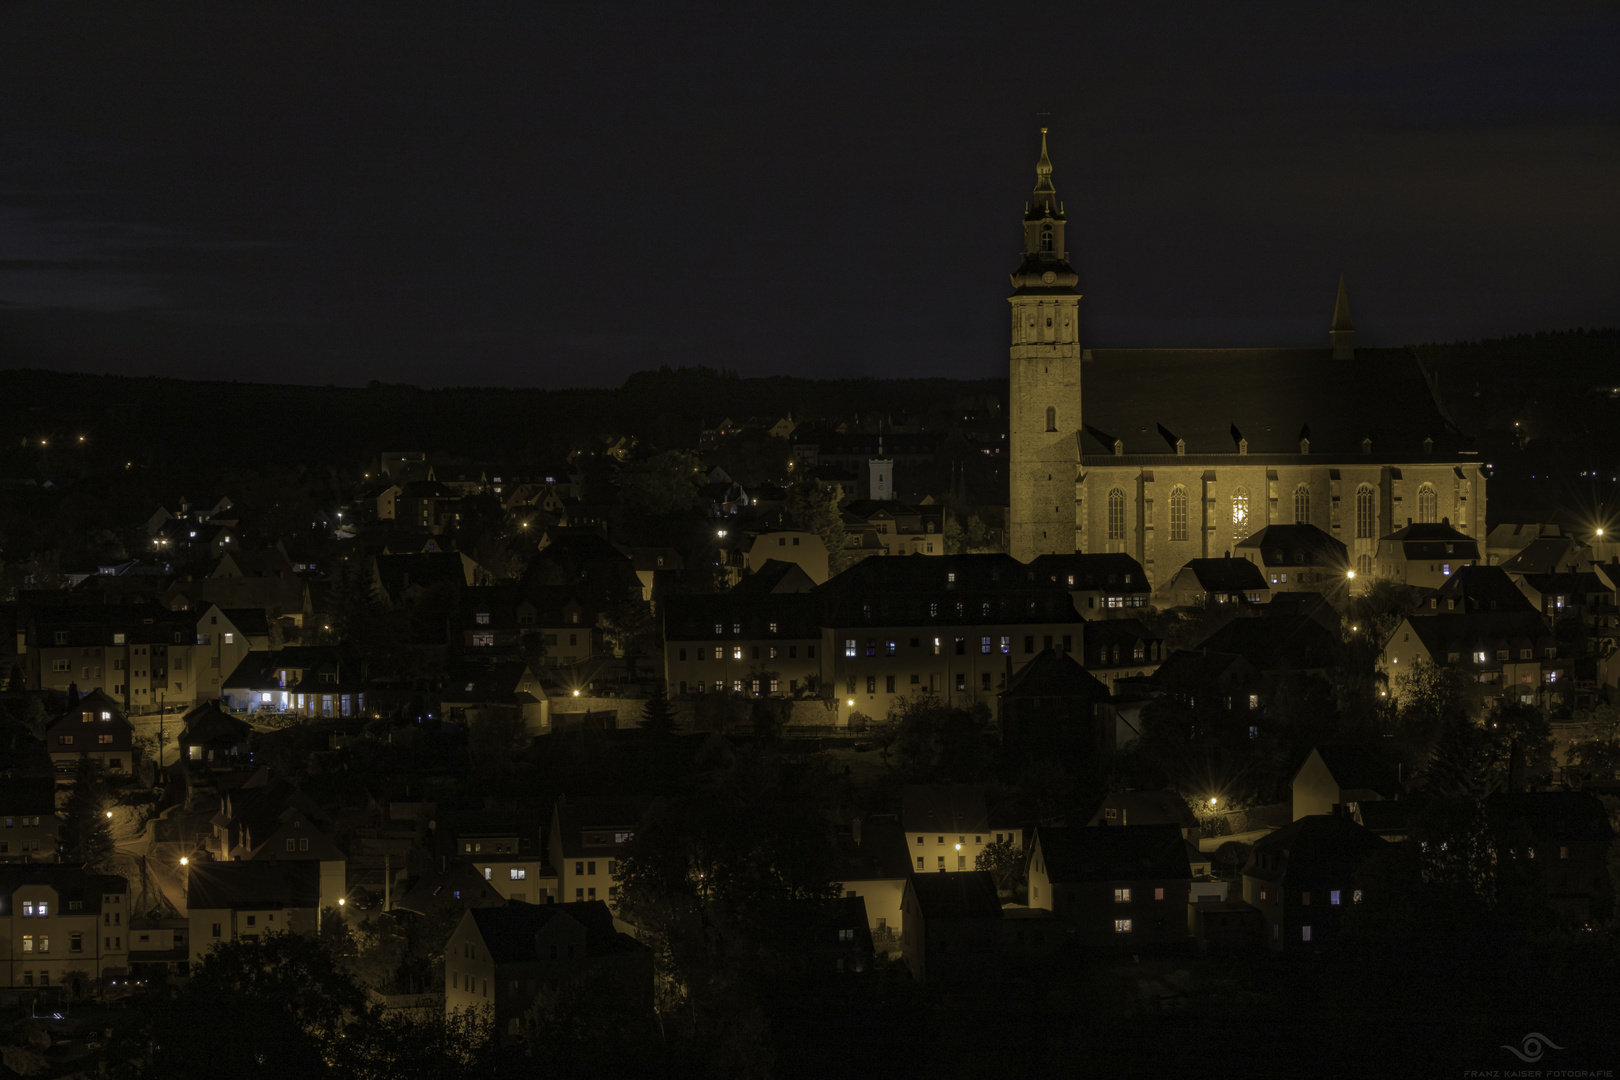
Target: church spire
{"type": "Point", "coordinates": [1045, 200]}
{"type": "Point", "coordinates": [1046, 256]}
{"type": "Point", "coordinates": [1342, 334]}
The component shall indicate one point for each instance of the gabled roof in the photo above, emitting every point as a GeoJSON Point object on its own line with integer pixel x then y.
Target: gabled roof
{"type": "Point", "coordinates": [1357, 769]}
{"type": "Point", "coordinates": [1224, 575]}
{"type": "Point", "coordinates": [881, 854]}
{"type": "Point", "coordinates": [509, 932]}
{"type": "Point", "coordinates": [774, 578]}
{"type": "Point", "coordinates": [1546, 555]}
{"type": "Point", "coordinates": [1479, 588]}
{"type": "Point", "coordinates": [1082, 853]}
{"type": "Point", "coordinates": [576, 818]}
{"type": "Point", "coordinates": [944, 808]}
{"type": "Point", "coordinates": [1461, 632]}
{"type": "Point", "coordinates": [969, 894]}
{"type": "Point", "coordinates": [1433, 540]}
{"type": "Point", "coordinates": [210, 726]}
{"type": "Point", "coordinates": [1295, 545]}
{"type": "Point", "coordinates": [1200, 669]}
{"type": "Point", "coordinates": [1281, 641]}
{"type": "Point", "coordinates": [1315, 846]}
{"type": "Point", "coordinates": [1054, 674]}
{"type": "Point", "coordinates": [459, 883]}
{"type": "Point", "coordinates": [72, 884]}
{"type": "Point", "coordinates": [1113, 572]}
{"type": "Point", "coordinates": [253, 885]}
{"type": "Point", "coordinates": [1143, 808]}
{"type": "Point", "coordinates": [251, 621]}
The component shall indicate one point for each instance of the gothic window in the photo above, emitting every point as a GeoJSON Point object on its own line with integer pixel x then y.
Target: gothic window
{"type": "Point", "coordinates": [1240, 514]}
{"type": "Point", "coordinates": [1428, 505]}
{"type": "Point", "coordinates": [1116, 514]}
{"type": "Point", "coordinates": [1302, 504]}
{"type": "Point", "coordinates": [1178, 513]}
{"type": "Point", "coordinates": [1051, 421]}
{"type": "Point", "coordinates": [1364, 512]}
{"type": "Point", "coordinates": [1364, 566]}
{"type": "Point", "coordinates": [1046, 237]}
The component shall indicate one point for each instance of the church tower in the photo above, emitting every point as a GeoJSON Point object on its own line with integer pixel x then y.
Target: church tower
{"type": "Point", "coordinates": [1044, 385]}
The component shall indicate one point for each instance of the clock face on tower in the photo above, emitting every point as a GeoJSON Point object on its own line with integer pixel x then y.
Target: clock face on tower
{"type": "Point", "coordinates": [1049, 277]}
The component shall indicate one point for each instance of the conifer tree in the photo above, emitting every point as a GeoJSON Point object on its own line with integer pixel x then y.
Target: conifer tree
{"type": "Point", "coordinates": [86, 829]}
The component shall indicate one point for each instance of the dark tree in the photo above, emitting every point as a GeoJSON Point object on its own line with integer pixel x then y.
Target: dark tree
{"type": "Point", "coordinates": [86, 828]}
{"type": "Point", "coordinates": [658, 715]}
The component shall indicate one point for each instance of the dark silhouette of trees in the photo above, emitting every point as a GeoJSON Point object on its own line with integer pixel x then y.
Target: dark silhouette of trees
{"type": "Point", "coordinates": [86, 828]}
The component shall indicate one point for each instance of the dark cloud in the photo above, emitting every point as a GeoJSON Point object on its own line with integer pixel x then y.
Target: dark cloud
{"type": "Point", "coordinates": [535, 195]}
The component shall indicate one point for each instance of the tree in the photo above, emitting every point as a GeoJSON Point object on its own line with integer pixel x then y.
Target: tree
{"type": "Point", "coordinates": [1004, 861]}
{"type": "Point", "coordinates": [814, 507]}
{"type": "Point", "coordinates": [86, 828]}
{"type": "Point", "coordinates": [1462, 763]}
{"type": "Point", "coordinates": [663, 485]}
{"type": "Point", "coordinates": [658, 715]}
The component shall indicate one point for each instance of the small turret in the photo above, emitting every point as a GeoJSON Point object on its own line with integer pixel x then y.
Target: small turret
{"type": "Point", "coordinates": [1342, 334]}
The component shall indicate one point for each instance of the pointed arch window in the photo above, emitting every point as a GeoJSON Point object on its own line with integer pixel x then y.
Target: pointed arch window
{"type": "Point", "coordinates": [1240, 515]}
{"type": "Point", "coordinates": [1178, 513]}
{"type": "Point", "coordinates": [1302, 504]}
{"type": "Point", "coordinates": [1428, 505]}
{"type": "Point", "coordinates": [1051, 418]}
{"type": "Point", "coordinates": [1116, 514]}
{"type": "Point", "coordinates": [1364, 512]}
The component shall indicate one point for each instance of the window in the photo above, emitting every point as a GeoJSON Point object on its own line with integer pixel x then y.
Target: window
{"type": "Point", "coordinates": [919, 860]}
{"type": "Point", "coordinates": [1158, 894]}
{"type": "Point", "coordinates": [888, 683]}
{"type": "Point", "coordinates": [1304, 933]}
{"type": "Point", "coordinates": [1122, 896]}
{"type": "Point", "coordinates": [1240, 514]}
{"type": "Point", "coordinates": [252, 920]}
{"type": "Point", "coordinates": [43, 908]}
{"type": "Point", "coordinates": [1122, 926]}
{"type": "Point", "coordinates": [985, 645]}
{"type": "Point", "coordinates": [1428, 505]}
{"type": "Point", "coordinates": [1178, 513]}
{"type": "Point", "coordinates": [489, 873]}
{"type": "Point", "coordinates": [849, 646]}
{"type": "Point", "coordinates": [1302, 505]}
{"type": "Point", "coordinates": [1051, 414]}
{"type": "Point", "coordinates": [519, 873]}
{"type": "Point", "coordinates": [292, 845]}
{"type": "Point", "coordinates": [871, 684]}
{"type": "Point", "coordinates": [1029, 643]}
{"type": "Point", "coordinates": [1116, 514]}
{"type": "Point", "coordinates": [961, 681]}
{"type": "Point", "coordinates": [1333, 898]}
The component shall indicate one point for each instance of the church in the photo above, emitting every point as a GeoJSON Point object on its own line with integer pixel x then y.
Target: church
{"type": "Point", "coordinates": [1176, 454]}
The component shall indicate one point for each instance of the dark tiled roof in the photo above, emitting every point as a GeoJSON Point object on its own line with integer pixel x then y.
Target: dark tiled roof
{"type": "Point", "coordinates": [967, 895]}
{"type": "Point", "coordinates": [1316, 846]}
{"type": "Point", "coordinates": [1433, 540]}
{"type": "Point", "coordinates": [1480, 588]}
{"type": "Point", "coordinates": [1286, 640]}
{"type": "Point", "coordinates": [947, 590]}
{"type": "Point", "coordinates": [209, 725]}
{"type": "Point", "coordinates": [1053, 674]}
{"type": "Point", "coordinates": [943, 808]}
{"type": "Point", "coordinates": [253, 884]}
{"type": "Point", "coordinates": [443, 888]}
{"type": "Point", "coordinates": [1113, 853]}
{"type": "Point", "coordinates": [252, 621]}
{"type": "Point", "coordinates": [1227, 575]}
{"type": "Point", "coordinates": [1145, 808]}
{"type": "Point", "coordinates": [1357, 768]}
{"type": "Point", "coordinates": [1199, 670]}
{"type": "Point", "coordinates": [1268, 394]}
{"type": "Point", "coordinates": [1102, 571]}
{"type": "Point", "coordinates": [1295, 545]}
{"type": "Point", "coordinates": [73, 884]}
{"type": "Point", "coordinates": [882, 853]}
{"type": "Point", "coordinates": [1480, 631]}
{"type": "Point", "coordinates": [509, 931]}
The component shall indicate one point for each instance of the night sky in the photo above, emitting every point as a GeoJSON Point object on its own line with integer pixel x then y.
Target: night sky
{"type": "Point", "coordinates": [541, 195]}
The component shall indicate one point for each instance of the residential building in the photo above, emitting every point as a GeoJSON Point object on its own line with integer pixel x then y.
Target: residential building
{"type": "Point", "coordinates": [1104, 585]}
{"type": "Point", "coordinates": [228, 901]}
{"type": "Point", "coordinates": [874, 863]}
{"type": "Point", "coordinates": [1120, 648]}
{"type": "Point", "coordinates": [1424, 555]}
{"type": "Point", "coordinates": [211, 739]}
{"type": "Point", "coordinates": [800, 547]}
{"type": "Point", "coordinates": [499, 959]}
{"type": "Point", "coordinates": [1334, 777]}
{"type": "Point", "coordinates": [1305, 876]}
{"type": "Point", "coordinates": [1053, 706]}
{"type": "Point", "coordinates": [951, 926]}
{"type": "Point", "coordinates": [1513, 655]}
{"type": "Point", "coordinates": [30, 831]}
{"type": "Point", "coordinates": [1297, 558]}
{"type": "Point", "coordinates": [1562, 839]}
{"type": "Point", "coordinates": [1121, 808]}
{"type": "Point", "coordinates": [946, 826]}
{"type": "Point", "coordinates": [1120, 889]}
{"type": "Point", "coordinates": [60, 925]}
{"type": "Point", "coordinates": [459, 885]}
{"type": "Point", "coordinates": [94, 729]}
{"type": "Point", "coordinates": [1214, 583]}
{"type": "Point", "coordinates": [749, 641]}
{"type": "Point", "coordinates": [588, 839]}
{"type": "Point", "coordinates": [159, 949]}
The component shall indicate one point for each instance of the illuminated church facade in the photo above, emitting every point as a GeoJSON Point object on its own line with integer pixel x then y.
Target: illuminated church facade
{"type": "Point", "coordinates": [1176, 454]}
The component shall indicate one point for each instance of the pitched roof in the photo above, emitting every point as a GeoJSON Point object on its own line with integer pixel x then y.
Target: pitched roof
{"type": "Point", "coordinates": [1465, 632]}
{"type": "Point", "coordinates": [1144, 808]}
{"type": "Point", "coordinates": [943, 808]}
{"type": "Point", "coordinates": [1481, 588]}
{"type": "Point", "coordinates": [1081, 853]}
{"type": "Point", "coordinates": [1225, 575]}
{"type": "Point", "coordinates": [1552, 815]}
{"type": "Point", "coordinates": [1545, 555]}
{"type": "Point", "coordinates": [1114, 572]}
{"type": "Point", "coordinates": [1285, 640]}
{"type": "Point", "coordinates": [1054, 674]}
{"type": "Point", "coordinates": [458, 883]}
{"type": "Point", "coordinates": [1433, 540]}
{"type": "Point", "coordinates": [970, 894]}
{"type": "Point", "coordinates": [253, 885]}
{"type": "Point", "coordinates": [881, 854]}
{"type": "Point", "coordinates": [1317, 845]}
{"type": "Point", "coordinates": [1295, 545]}
{"type": "Point", "coordinates": [509, 931]}
{"type": "Point", "coordinates": [1356, 768]}
{"type": "Point", "coordinates": [72, 884]}
{"type": "Point", "coordinates": [209, 725]}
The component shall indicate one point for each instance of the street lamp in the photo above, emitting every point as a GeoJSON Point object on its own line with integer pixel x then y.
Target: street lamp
{"type": "Point", "coordinates": [185, 860]}
{"type": "Point", "coordinates": [109, 815]}
{"type": "Point", "coordinates": [852, 703]}
{"type": "Point", "coordinates": [1212, 801]}
{"type": "Point", "coordinates": [1350, 574]}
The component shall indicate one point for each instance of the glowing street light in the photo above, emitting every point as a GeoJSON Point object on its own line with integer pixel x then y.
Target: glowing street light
{"type": "Point", "coordinates": [852, 703]}
{"type": "Point", "coordinates": [342, 900]}
{"type": "Point", "coordinates": [1212, 801]}
{"type": "Point", "coordinates": [576, 693]}
{"type": "Point", "coordinates": [1351, 574]}
{"type": "Point", "coordinates": [185, 860]}
{"type": "Point", "coordinates": [109, 814]}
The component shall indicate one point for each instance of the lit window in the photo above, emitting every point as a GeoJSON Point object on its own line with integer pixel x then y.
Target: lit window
{"type": "Point", "coordinates": [849, 646]}
{"type": "Point", "coordinates": [519, 873]}
{"type": "Point", "coordinates": [1122, 896]}
{"type": "Point", "coordinates": [1158, 894]}
{"type": "Point", "coordinates": [1178, 513]}
{"type": "Point", "coordinates": [1302, 505]}
{"type": "Point", "coordinates": [1333, 897]}
{"type": "Point", "coordinates": [1304, 933]}
{"type": "Point", "coordinates": [1122, 926]}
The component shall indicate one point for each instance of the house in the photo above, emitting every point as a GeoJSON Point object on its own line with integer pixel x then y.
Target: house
{"type": "Point", "coordinates": [227, 901]}
{"type": "Point", "coordinates": [212, 739]}
{"type": "Point", "coordinates": [1305, 875]}
{"type": "Point", "coordinates": [799, 547]}
{"type": "Point", "coordinates": [1119, 808]}
{"type": "Point", "coordinates": [873, 864]}
{"type": "Point", "coordinates": [951, 926]}
{"type": "Point", "coordinates": [588, 838]}
{"type": "Point", "coordinates": [1278, 639]}
{"type": "Point", "coordinates": [749, 641]}
{"type": "Point", "coordinates": [458, 885]}
{"type": "Point", "coordinates": [93, 729]}
{"type": "Point", "coordinates": [159, 948]}
{"type": "Point", "coordinates": [1587, 596]}
{"type": "Point", "coordinates": [501, 958]}
{"type": "Point", "coordinates": [59, 925]}
{"type": "Point", "coordinates": [1116, 648]}
{"type": "Point", "coordinates": [1215, 583]}
{"type": "Point", "coordinates": [140, 655]}
{"type": "Point", "coordinates": [1123, 889]}
{"type": "Point", "coordinates": [1296, 558]}
{"type": "Point", "coordinates": [1513, 655]}
{"type": "Point", "coordinates": [1425, 554]}
{"type": "Point", "coordinates": [1103, 585]}
{"type": "Point", "coordinates": [832, 936]}
{"type": "Point", "coordinates": [473, 691]}
{"type": "Point", "coordinates": [1563, 838]}
{"type": "Point", "coordinates": [29, 828]}
{"type": "Point", "coordinates": [272, 821]}
{"type": "Point", "coordinates": [1477, 588]}
{"type": "Point", "coordinates": [946, 826]}
{"type": "Point", "coordinates": [308, 680]}
{"type": "Point", "coordinates": [1053, 706]}
{"type": "Point", "coordinates": [1334, 776]}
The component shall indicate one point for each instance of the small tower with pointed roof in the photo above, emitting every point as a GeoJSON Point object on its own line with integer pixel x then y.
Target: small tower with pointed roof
{"type": "Point", "coordinates": [1341, 333]}
{"type": "Point", "coordinates": [1044, 381]}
